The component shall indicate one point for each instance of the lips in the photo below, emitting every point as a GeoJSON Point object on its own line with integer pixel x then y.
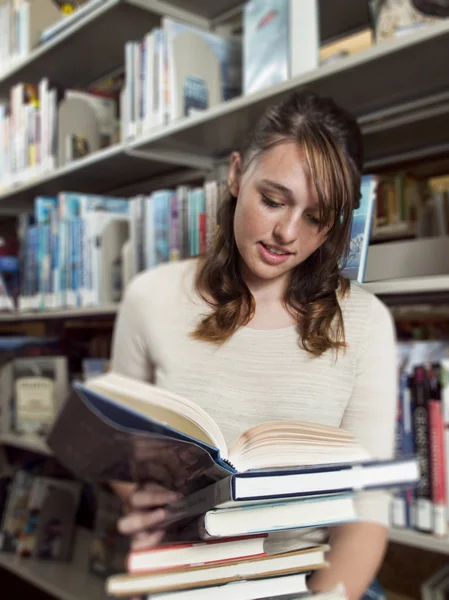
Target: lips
{"type": "Point", "coordinates": [272, 255]}
{"type": "Point", "coordinates": [276, 249]}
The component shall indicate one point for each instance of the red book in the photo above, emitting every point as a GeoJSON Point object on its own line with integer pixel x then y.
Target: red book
{"type": "Point", "coordinates": [184, 555]}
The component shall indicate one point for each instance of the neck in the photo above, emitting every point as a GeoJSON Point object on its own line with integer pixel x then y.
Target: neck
{"type": "Point", "coordinates": [265, 290]}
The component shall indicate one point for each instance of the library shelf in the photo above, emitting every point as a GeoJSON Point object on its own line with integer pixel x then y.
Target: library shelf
{"type": "Point", "coordinates": [64, 313]}
{"type": "Point", "coordinates": [419, 540]}
{"type": "Point", "coordinates": [93, 46]}
{"type": "Point", "coordinates": [388, 96]}
{"type": "Point", "coordinates": [29, 442]}
{"type": "Point", "coordinates": [63, 580]}
{"type": "Point", "coordinates": [409, 285]}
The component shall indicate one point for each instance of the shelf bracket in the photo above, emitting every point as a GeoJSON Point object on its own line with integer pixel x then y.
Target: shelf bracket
{"type": "Point", "coordinates": [179, 159]}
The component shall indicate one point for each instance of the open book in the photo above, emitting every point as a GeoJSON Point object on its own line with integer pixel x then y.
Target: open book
{"type": "Point", "coordinates": [113, 427]}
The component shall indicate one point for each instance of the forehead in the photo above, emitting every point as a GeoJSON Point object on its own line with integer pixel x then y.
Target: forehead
{"type": "Point", "coordinates": [284, 163]}
{"type": "Point", "coordinates": [286, 155]}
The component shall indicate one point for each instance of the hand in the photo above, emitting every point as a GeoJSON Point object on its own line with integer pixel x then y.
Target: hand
{"type": "Point", "coordinates": [146, 510]}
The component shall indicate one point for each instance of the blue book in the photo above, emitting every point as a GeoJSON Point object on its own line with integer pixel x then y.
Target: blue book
{"type": "Point", "coordinates": [355, 266]}
{"type": "Point", "coordinates": [135, 431]}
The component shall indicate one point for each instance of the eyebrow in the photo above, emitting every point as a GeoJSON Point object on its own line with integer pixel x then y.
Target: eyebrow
{"type": "Point", "coordinates": [279, 187]}
{"type": "Point", "coordinates": [285, 191]}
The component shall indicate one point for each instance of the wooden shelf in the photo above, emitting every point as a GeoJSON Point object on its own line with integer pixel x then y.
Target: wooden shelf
{"type": "Point", "coordinates": [63, 580]}
{"type": "Point", "coordinates": [419, 540]}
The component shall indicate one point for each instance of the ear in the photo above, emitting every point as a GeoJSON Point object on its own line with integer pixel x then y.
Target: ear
{"type": "Point", "coordinates": [234, 174]}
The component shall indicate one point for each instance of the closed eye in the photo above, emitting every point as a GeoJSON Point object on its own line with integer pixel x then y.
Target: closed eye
{"type": "Point", "coordinates": [270, 203]}
{"type": "Point", "coordinates": [313, 219]}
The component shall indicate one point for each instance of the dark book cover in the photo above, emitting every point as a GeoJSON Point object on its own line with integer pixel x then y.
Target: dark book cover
{"type": "Point", "coordinates": [111, 442]}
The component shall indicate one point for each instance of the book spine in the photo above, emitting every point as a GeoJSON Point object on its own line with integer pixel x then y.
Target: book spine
{"type": "Point", "coordinates": [437, 453]}
{"type": "Point", "coordinates": [424, 508]}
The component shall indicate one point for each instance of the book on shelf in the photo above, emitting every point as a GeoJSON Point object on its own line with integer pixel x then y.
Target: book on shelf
{"type": "Point", "coordinates": [65, 20]}
{"type": "Point", "coordinates": [281, 40]}
{"type": "Point", "coordinates": [139, 432]}
{"type": "Point", "coordinates": [175, 71]}
{"type": "Point", "coordinates": [355, 265]}
{"type": "Point", "coordinates": [21, 25]}
{"type": "Point", "coordinates": [39, 387]}
{"type": "Point", "coordinates": [395, 19]}
{"type": "Point", "coordinates": [81, 250]}
{"type": "Point", "coordinates": [422, 429]}
{"type": "Point", "coordinates": [39, 516]}
{"type": "Point", "coordinates": [346, 45]}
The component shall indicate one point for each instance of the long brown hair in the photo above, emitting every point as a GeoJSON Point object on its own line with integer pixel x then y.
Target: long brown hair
{"type": "Point", "coordinates": [331, 141]}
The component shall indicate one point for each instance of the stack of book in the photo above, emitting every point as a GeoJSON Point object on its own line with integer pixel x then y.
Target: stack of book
{"type": "Point", "coordinates": [275, 479]}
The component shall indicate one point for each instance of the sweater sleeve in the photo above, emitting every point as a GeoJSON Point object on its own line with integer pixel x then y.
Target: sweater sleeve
{"type": "Point", "coordinates": [130, 351]}
{"type": "Point", "coordinates": [371, 412]}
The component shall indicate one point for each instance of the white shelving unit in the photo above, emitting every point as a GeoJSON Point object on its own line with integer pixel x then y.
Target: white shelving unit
{"type": "Point", "coordinates": [413, 285]}
{"type": "Point", "coordinates": [385, 76]}
{"type": "Point", "coordinates": [64, 580]}
{"type": "Point", "coordinates": [419, 540]}
{"type": "Point", "coordinates": [66, 313]}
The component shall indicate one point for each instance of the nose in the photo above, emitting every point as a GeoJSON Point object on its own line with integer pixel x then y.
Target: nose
{"type": "Point", "coordinates": [286, 230]}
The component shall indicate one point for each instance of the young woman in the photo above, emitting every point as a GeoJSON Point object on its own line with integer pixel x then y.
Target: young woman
{"type": "Point", "coordinates": [265, 327]}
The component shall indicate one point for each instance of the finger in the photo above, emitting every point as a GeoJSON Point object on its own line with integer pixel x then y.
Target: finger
{"type": "Point", "coordinates": [153, 496]}
{"type": "Point", "coordinates": [136, 521]}
{"type": "Point", "coordinates": [147, 540]}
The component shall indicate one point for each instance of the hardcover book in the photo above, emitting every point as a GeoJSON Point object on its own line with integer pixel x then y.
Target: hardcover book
{"type": "Point", "coordinates": [134, 431]}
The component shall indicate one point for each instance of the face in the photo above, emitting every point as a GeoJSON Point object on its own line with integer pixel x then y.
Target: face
{"type": "Point", "coordinates": [276, 223]}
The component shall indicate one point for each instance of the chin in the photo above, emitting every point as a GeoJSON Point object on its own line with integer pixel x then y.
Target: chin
{"type": "Point", "coordinates": [260, 270]}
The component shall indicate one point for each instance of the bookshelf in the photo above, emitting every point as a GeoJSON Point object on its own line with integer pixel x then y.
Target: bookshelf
{"type": "Point", "coordinates": [67, 313]}
{"type": "Point", "coordinates": [392, 287]}
{"type": "Point", "coordinates": [419, 540]}
{"type": "Point", "coordinates": [63, 580]}
{"type": "Point", "coordinates": [385, 75]}
{"type": "Point", "coordinates": [31, 443]}
{"type": "Point", "coordinates": [411, 286]}
{"type": "Point", "coordinates": [96, 55]}
{"type": "Point", "coordinates": [390, 95]}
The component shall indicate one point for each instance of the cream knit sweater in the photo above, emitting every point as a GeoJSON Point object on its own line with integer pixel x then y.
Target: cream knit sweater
{"type": "Point", "coordinates": [263, 375]}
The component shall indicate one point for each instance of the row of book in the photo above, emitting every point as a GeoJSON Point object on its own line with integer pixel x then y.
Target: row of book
{"type": "Point", "coordinates": [38, 515]}
{"type": "Point", "coordinates": [423, 429]}
{"type": "Point", "coordinates": [410, 207]}
{"type": "Point", "coordinates": [43, 127]}
{"type": "Point", "coordinates": [244, 513]}
{"type": "Point", "coordinates": [24, 24]}
{"type": "Point", "coordinates": [80, 250]}
{"type": "Point", "coordinates": [175, 71]}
